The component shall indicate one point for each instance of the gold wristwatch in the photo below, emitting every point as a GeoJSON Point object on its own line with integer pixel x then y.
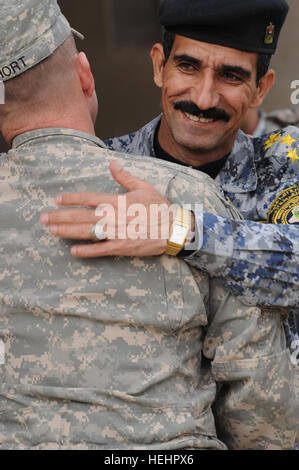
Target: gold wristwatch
{"type": "Point", "coordinates": [178, 232]}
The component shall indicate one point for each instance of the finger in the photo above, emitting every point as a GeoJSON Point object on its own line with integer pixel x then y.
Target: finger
{"type": "Point", "coordinates": [78, 216]}
{"type": "Point", "coordinates": [123, 248]}
{"type": "Point", "coordinates": [91, 199]}
{"type": "Point", "coordinates": [126, 179]}
{"type": "Point", "coordinates": [95, 250]}
{"type": "Point", "coordinates": [73, 232]}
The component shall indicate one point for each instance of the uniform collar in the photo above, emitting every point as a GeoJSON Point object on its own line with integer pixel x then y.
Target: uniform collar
{"type": "Point", "coordinates": [239, 173]}
{"type": "Point", "coordinates": [150, 130]}
{"type": "Point", "coordinates": [32, 136]}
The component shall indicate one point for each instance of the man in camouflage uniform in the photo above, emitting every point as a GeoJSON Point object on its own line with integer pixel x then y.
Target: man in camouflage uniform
{"type": "Point", "coordinates": [109, 354]}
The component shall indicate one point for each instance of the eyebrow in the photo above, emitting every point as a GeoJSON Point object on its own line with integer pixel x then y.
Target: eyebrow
{"type": "Point", "coordinates": [236, 69]}
{"type": "Point", "coordinates": [187, 58]}
{"type": "Point", "coordinates": [222, 68]}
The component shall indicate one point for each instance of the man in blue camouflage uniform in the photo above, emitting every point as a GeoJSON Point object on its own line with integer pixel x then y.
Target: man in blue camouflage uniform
{"type": "Point", "coordinates": [260, 176]}
{"type": "Point", "coordinates": [113, 354]}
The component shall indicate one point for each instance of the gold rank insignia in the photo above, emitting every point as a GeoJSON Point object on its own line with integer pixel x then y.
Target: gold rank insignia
{"type": "Point", "coordinates": [270, 31]}
{"type": "Point", "coordinates": [285, 208]}
{"type": "Point", "coordinates": [292, 154]}
{"type": "Point", "coordinates": [273, 138]}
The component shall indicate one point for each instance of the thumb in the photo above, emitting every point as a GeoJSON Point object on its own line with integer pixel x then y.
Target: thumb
{"type": "Point", "coordinates": [126, 179]}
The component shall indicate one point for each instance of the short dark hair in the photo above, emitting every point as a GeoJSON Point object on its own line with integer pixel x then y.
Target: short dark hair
{"type": "Point", "coordinates": [168, 40]}
{"type": "Point", "coordinates": [263, 60]}
{"type": "Point", "coordinates": [263, 64]}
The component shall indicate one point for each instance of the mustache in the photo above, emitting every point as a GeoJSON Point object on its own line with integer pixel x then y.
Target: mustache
{"type": "Point", "coordinates": [192, 108]}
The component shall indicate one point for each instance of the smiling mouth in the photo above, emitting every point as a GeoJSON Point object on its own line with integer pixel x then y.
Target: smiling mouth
{"type": "Point", "coordinates": [199, 118]}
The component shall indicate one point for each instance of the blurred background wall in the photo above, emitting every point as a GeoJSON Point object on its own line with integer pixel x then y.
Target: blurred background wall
{"type": "Point", "coordinates": [118, 38]}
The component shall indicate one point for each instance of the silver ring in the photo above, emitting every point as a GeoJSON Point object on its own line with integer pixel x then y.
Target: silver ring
{"type": "Point", "coordinates": [96, 233]}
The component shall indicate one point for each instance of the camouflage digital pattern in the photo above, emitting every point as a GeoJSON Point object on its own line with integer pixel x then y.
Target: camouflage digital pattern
{"type": "Point", "coordinates": [258, 262]}
{"type": "Point", "coordinates": [109, 353]}
{"type": "Point", "coordinates": [48, 30]}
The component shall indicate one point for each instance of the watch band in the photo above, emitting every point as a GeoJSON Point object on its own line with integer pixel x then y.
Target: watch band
{"type": "Point", "coordinates": [178, 232]}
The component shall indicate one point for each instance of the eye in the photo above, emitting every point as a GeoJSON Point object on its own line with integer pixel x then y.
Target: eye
{"type": "Point", "coordinates": [232, 77]}
{"type": "Point", "coordinates": [186, 67]}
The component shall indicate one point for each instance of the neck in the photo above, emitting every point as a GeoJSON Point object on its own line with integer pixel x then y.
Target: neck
{"type": "Point", "coordinates": [23, 121]}
{"type": "Point", "coordinates": [251, 122]}
{"type": "Point", "coordinates": [194, 157]}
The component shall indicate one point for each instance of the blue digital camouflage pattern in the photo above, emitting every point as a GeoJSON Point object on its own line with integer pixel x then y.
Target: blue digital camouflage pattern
{"type": "Point", "coordinates": [125, 353]}
{"type": "Point", "coordinates": [258, 262]}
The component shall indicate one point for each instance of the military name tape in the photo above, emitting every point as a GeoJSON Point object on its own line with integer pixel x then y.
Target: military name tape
{"type": "Point", "coordinates": [12, 69]}
{"type": "Point", "coordinates": [285, 208]}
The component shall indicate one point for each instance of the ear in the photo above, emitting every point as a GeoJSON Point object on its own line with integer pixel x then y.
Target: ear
{"type": "Point", "coordinates": [158, 59]}
{"type": "Point", "coordinates": [264, 86]}
{"type": "Point", "coordinates": [85, 74]}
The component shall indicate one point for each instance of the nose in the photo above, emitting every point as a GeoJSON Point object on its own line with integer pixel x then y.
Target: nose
{"type": "Point", "coordinates": [204, 91]}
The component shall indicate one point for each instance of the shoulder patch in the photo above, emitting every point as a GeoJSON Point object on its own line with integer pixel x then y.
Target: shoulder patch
{"type": "Point", "coordinates": [284, 143]}
{"type": "Point", "coordinates": [285, 208]}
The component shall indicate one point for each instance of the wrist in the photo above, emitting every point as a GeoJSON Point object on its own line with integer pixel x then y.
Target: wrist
{"type": "Point", "coordinates": [181, 232]}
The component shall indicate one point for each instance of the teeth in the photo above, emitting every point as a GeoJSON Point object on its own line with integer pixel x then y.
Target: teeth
{"type": "Point", "coordinates": [198, 119]}
{"type": "Point", "coordinates": [192, 117]}
{"type": "Point", "coordinates": [206, 120]}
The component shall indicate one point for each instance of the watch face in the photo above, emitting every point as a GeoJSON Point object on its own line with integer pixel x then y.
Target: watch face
{"type": "Point", "coordinates": [178, 234]}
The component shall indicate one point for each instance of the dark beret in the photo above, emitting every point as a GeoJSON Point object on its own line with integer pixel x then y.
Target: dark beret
{"type": "Point", "coordinates": [247, 25]}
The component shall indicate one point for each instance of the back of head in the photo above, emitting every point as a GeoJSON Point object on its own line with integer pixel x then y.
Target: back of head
{"type": "Point", "coordinates": [38, 65]}
{"type": "Point", "coordinates": [30, 31]}
{"type": "Point", "coordinates": [37, 84]}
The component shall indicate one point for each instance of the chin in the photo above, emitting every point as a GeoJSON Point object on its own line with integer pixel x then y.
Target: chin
{"type": "Point", "coordinates": [198, 146]}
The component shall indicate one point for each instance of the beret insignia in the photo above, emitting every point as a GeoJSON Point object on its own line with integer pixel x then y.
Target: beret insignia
{"type": "Point", "coordinates": [270, 31]}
